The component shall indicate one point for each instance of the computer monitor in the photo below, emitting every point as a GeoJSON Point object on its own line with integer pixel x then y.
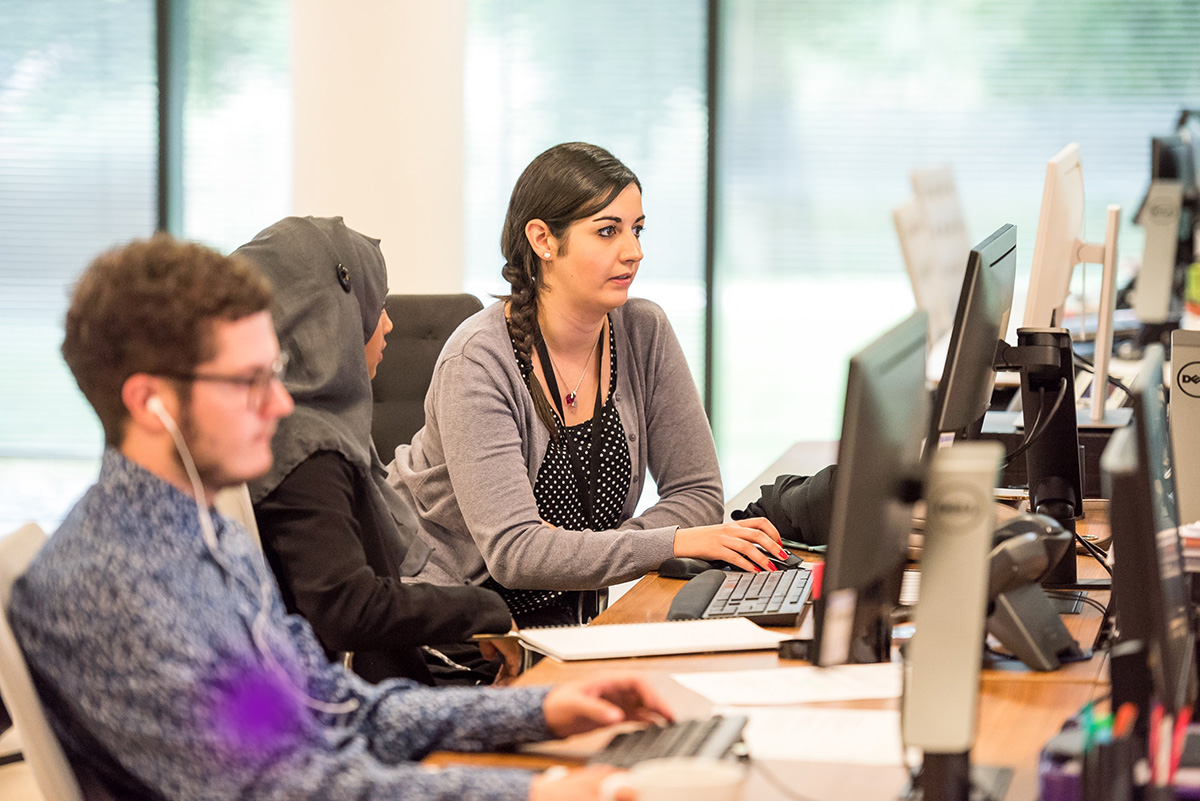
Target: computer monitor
{"type": "Point", "coordinates": [1167, 217]}
{"type": "Point", "coordinates": [1152, 611]}
{"type": "Point", "coordinates": [879, 460]}
{"type": "Point", "coordinates": [984, 302]}
{"type": "Point", "coordinates": [1172, 158]}
{"type": "Point", "coordinates": [1057, 248]}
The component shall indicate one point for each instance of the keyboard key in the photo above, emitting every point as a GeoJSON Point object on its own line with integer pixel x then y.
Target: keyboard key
{"type": "Point", "coordinates": [713, 738]}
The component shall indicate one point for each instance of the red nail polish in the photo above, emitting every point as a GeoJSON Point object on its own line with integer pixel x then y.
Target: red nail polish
{"type": "Point", "coordinates": [757, 569]}
{"type": "Point", "coordinates": [772, 565]}
{"type": "Point", "coordinates": [783, 554]}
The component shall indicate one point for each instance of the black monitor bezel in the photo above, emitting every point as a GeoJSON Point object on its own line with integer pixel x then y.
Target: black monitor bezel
{"type": "Point", "coordinates": [869, 529]}
{"type": "Point", "coordinates": [964, 392]}
{"type": "Point", "coordinates": [1150, 598]}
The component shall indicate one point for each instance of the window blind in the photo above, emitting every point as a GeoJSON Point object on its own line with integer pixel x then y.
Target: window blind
{"type": "Point", "coordinates": [827, 106]}
{"type": "Point", "coordinates": [77, 174]}
{"type": "Point", "coordinates": [627, 76]}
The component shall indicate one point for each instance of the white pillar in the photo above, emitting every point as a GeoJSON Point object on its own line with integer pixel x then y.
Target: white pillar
{"type": "Point", "coordinates": [378, 97]}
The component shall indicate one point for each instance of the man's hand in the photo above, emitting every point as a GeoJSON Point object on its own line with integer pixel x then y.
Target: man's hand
{"type": "Point", "coordinates": [582, 784]}
{"type": "Point", "coordinates": [579, 706]}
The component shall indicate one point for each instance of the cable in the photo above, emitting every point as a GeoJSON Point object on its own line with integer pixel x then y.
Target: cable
{"type": "Point", "coordinates": [1087, 366]}
{"type": "Point", "coordinates": [1030, 433]}
{"type": "Point", "coordinates": [1039, 425]}
{"type": "Point", "coordinates": [1067, 595]}
{"type": "Point", "coordinates": [776, 782]}
{"type": "Point", "coordinates": [209, 535]}
{"type": "Point", "coordinates": [1094, 552]}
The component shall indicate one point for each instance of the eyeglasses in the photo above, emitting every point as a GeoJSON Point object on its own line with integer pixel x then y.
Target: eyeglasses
{"type": "Point", "coordinates": [258, 383]}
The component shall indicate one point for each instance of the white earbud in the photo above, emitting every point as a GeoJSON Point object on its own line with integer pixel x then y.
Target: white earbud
{"type": "Point", "coordinates": [155, 405]}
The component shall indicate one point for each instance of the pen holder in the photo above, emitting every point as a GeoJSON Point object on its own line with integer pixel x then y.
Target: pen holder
{"type": "Point", "coordinates": [1103, 773]}
{"type": "Point", "coordinates": [1108, 771]}
{"type": "Point", "coordinates": [1060, 767]}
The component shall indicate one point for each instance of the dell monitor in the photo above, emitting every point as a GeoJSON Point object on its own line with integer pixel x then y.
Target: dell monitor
{"type": "Point", "coordinates": [1155, 639]}
{"type": "Point", "coordinates": [1055, 248]}
{"type": "Point", "coordinates": [1166, 215]}
{"type": "Point", "coordinates": [1058, 247]}
{"type": "Point", "coordinates": [879, 461]}
{"type": "Point", "coordinates": [965, 390]}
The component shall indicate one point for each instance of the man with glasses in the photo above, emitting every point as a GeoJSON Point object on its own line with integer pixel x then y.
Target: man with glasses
{"type": "Point", "coordinates": [156, 636]}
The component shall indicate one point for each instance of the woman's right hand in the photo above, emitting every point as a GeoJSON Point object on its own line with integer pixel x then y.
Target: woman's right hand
{"type": "Point", "coordinates": [736, 542]}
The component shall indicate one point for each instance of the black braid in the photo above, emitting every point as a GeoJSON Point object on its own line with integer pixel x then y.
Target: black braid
{"type": "Point", "coordinates": [523, 323]}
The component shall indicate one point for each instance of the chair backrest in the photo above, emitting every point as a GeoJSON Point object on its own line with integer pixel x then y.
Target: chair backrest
{"type": "Point", "coordinates": [234, 503]}
{"type": "Point", "coordinates": [44, 755]}
{"type": "Point", "coordinates": [422, 324]}
{"type": "Point", "coordinates": [936, 194]}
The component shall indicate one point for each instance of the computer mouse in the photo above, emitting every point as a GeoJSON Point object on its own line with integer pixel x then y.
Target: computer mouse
{"type": "Point", "coordinates": [686, 566]}
{"type": "Point", "coordinates": [783, 564]}
{"type": "Point", "coordinates": [779, 562]}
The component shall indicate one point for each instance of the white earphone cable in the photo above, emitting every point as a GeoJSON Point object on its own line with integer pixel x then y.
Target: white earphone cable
{"type": "Point", "coordinates": [209, 535]}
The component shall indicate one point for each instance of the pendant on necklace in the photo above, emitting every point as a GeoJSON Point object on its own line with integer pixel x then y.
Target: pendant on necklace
{"type": "Point", "coordinates": [570, 399]}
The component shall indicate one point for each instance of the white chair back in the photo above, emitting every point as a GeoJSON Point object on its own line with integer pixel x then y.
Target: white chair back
{"type": "Point", "coordinates": [234, 503]}
{"type": "Point", "coordinates": [42, 751]}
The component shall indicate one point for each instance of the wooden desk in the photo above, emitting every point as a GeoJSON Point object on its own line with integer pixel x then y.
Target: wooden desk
{"type": "Point", "coordinates": [1019, 709]}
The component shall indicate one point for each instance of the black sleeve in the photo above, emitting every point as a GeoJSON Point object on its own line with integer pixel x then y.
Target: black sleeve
{"type": "Point", "coordinates": [313, 537]}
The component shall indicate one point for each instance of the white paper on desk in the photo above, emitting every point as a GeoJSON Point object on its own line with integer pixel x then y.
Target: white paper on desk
{"type": "Point", "coordinates": [817, 734]}
{"type": "Point", "coordinates": [796, 685]}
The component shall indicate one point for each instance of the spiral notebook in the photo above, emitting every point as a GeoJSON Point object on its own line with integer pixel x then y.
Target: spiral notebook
{"type": "Point", "coordinates": [622, 640]}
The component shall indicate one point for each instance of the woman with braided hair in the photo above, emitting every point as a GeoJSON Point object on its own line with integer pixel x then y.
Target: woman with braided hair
{"type": "Point", "coordinates": [546, 410]}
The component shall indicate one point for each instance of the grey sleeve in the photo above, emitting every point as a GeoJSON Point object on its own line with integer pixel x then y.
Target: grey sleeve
{"type": "Point", "coordinates": [678, 442]}
{"type": "Point", "coordinates": [485, 458]}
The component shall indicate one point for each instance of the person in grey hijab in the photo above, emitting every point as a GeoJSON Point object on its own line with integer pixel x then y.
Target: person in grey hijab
{"type": "Point", "coordinates": [340, 540]}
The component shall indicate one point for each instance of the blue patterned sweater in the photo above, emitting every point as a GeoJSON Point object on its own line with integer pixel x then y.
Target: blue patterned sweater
{"type": "Point", "coordinates": [140, 643]}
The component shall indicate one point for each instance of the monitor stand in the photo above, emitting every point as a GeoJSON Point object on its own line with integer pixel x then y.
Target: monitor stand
{"type": "Point", "coordinates": [1071, 590]}
{"type": "Point", "coordinates": [1053, 459]}
{"type": "Point", "coordinates": [952, 777]}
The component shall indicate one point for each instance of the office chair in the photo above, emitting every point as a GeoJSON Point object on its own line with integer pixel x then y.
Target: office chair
{"type": "Point", "coordinates": [234, 503]}
{"type": "Point", "coordinates": [43, 753]}
{"type": "Point", "coordinates": [422, 324]}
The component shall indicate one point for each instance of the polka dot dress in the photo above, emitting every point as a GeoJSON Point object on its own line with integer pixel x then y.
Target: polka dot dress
{"type": "Point", "coordinates": [559, 503]}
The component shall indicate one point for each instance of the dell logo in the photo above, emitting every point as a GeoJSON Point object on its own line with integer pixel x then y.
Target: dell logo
{"type": "Point", "coordinates": [1163, 212]}
{"type": "Point", "coordinates": [956, 507]}
{"type": "Point", "coordinates": [1188, 379]}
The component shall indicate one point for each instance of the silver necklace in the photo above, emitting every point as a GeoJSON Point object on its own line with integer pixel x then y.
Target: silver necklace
{"type": "Point", "coordinates": [571, 397]}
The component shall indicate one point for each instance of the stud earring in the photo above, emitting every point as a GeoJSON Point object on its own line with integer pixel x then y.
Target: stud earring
{"type": "Point", "coordinates": [546, 255]}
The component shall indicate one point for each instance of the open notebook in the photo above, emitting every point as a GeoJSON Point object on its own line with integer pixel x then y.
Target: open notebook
{"type": "Point", "coordinates": [619, 640]}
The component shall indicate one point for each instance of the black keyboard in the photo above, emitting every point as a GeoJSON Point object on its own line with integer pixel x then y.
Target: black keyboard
{"type": "Point", "coordinates": [770, 598]}
{"type": "Point", "coordinates": [712, 738]}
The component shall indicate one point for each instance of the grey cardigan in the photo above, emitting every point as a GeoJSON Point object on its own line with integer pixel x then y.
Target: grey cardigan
{"type": "Point", "coordinates": [469, 473]}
